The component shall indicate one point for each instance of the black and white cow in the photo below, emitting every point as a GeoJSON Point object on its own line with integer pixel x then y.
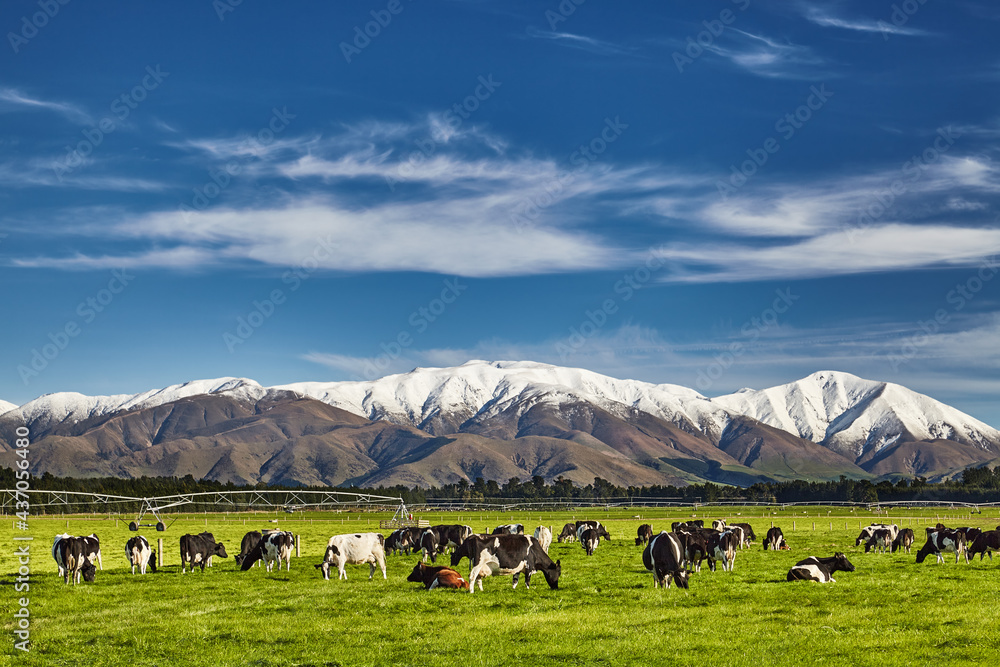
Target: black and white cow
{"type": "Point", "coordinates": [985, 543]}
{"type": "Point", "coordinates": [273, 547]}
{"type": "Point", "coordinates": [868, 531]}
{"type": "Point", "coordinates": [695, 545]}
{"type": "Point", "coordinates": [737, 531]}
{"type": "Point", "coordinates": [664, 557]}
{"type": "Point", "coordinates": [354, 549]}
{"type": "Point", "coordinates": [589, 540]}
{"type": "Point", "coordinates": [568, 533]}
{"type": "Point", "coordinates": [506, 554]}
{"type": "Point", "coordinates": [197, 549]}
{"type": "Point", "coordinates": [91, 549]}
{"type": "Point", "coordinates": [403, 541]}
{"type": "Point", "coordinates": [719, 525]}
{"type": "Point", "coordinates": [880, 541]}
{"type": "Point", "coordinates": [820, 569]}
{"type": "Point", "coordinates": [509, 529]}
{"type": "Point", "coordinates": [722, 546]}
{"type": "Point", "coordinates": [904, 540]}
{"type": "Point", "coordinates": [72, 552]}
{"type": "Point", "coordinates": [940, 541]}
{"type": "Point", "coordinates": [748, 535]}
{"type": "Point", "coordinates": [138, 553]}
{"type": "Point", "coordinates": [644, 534]}
{"type": "Point", "coordinates": [247, 546]}
{"type": "Point", "coordinates": [774, 539]}
{"type": "Point", "coordinates": [596, 525]}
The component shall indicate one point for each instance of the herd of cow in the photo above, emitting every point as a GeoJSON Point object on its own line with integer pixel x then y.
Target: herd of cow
{"type": "Point", "coordinates": [670, 556]}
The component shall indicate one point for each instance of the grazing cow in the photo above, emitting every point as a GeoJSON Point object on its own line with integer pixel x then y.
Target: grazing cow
{"type": "Point", "coordinates": [904, 540]}
{"type": "Point", "coordinates": [719, 525]}
{"type": "Point", "coordinates": [589, 540]}
{"type": "Point", "coordinates": [438, 538]}
{"type": "Point", "coordinates": [197, 549]}
{"type": "Point", "coordinates": [867, 531]}
{"type": "Point", "coordinates": [544, 537]}
{"type": "Point", "coordinates": [437, 577]}
{"type": "Point", "coordinates": [880, 540]}
{"type": "Point", "coordinates": [687, 525]}
{"type": "Point", "coordinates": [92, 547]}
{"type": "Point", "coordinates": [273, 546]}
{"type": "Point", "coordinates": [644, 534]}
{"type": "Point", "coordinates": [138, 553]}
{"type": "Point", "coordinates": [356, 549]}
{"type": "Point", "coordinates": [596, 525]}
{"type": "Point", "coordinates": [774, 539]}
{"type": "Point", "coordinates": [509, 529]}
{"type": "Point", "coordinates": [748, 535]}
{"type": "Point", "coordinates": [722, 546]}
{"type": "Point", "coordinates": [820, 569]}
{"type": "Point", "coordinates": [506, 554]}
{"type": "Point", "coordinates": [55, 552]}
{"type": "Point", "coordinates": [568, 533]}
{"type": "Point", "coordinates": [247, 546]}
{"type": "Point", "coordinates": [985, 543]}
{"type": "Point", "coordinates": [664, 557]}
{"type": "Point", "coordinates": [939, 541]}
{"type": "Point", "coordinates": [73, 556]}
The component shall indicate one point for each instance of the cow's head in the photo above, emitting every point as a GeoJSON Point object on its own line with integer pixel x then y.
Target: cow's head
{"type": "Point", "coordinates": [88, 570]}
{"type": "Point", "coordinates": [325, 568]}
{"type": "Point", "coordinates": [220, 550]}
{"type": "Point", "coordinates": [551, 573]}
{"type": "Point", "coordinates": [681, 578]}
{"type": "Point", "coordinates": [843, 563]}
{"type": "Point", "coordinates": [418, 573]}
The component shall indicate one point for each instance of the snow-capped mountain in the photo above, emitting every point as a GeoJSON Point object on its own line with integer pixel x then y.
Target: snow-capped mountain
{"type": "Point", "coordinates": [856, 417]}
{"type": "Point", "coordinates": [6, 406]}
{"type": "Point", "coordinates": [508, 417]}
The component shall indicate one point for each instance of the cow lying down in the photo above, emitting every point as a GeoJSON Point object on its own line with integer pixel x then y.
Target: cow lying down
{"type": "Point", "coordinates": [820, 569]}
{"type": "Point", "coordinates": [437, 577]}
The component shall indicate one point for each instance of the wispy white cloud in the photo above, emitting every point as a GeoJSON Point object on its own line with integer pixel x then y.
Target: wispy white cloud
{"type": "Point", "coordinates": [12, 99]}
{"type": "Point", "coordinates": [581, 42]}
{"type": "Point", "coordinates": [821, 16]}
{"type": "Point", "coordinates": [766, 57]}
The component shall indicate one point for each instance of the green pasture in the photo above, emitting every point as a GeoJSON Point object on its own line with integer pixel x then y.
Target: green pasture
{"type": "Point", "coordinates": [890, 611]}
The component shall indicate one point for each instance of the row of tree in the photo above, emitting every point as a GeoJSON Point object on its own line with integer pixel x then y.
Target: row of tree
{"type": "Point", "coordinates": [975, 485]}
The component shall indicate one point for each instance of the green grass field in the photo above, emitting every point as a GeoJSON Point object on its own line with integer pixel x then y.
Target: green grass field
{"type": "Point", "coordinates": [890, 611]}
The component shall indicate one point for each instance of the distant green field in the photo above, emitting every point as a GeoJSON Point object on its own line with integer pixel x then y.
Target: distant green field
{"type": "Point", "coordinates": [891, 611]}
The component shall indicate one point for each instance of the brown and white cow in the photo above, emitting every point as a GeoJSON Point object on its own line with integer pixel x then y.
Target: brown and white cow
{"type": "Point", "coordinates": [437, 577]}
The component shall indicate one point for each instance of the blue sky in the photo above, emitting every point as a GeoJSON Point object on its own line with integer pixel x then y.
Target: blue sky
{"type": "Point", "coordinates": [714, 194]}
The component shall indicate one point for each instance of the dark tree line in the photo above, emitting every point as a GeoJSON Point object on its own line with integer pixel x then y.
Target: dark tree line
{"type": "Point", "coordinates": [975, 485]}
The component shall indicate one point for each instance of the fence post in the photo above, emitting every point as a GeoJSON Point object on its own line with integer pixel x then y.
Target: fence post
{"type": "Point", "coordinates": [159, 552]}
{"type": "Point", "coordinates": [793, 525]}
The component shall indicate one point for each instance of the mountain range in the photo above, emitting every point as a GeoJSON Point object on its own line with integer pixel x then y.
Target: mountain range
{"type": "Point", "coordinates": [499, 420]}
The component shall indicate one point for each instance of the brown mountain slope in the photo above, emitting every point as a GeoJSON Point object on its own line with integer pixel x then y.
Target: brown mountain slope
{"type": "Point", "coordinates": [781, 454]}
{"type": "Point", "coordinates": [934, 459]}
